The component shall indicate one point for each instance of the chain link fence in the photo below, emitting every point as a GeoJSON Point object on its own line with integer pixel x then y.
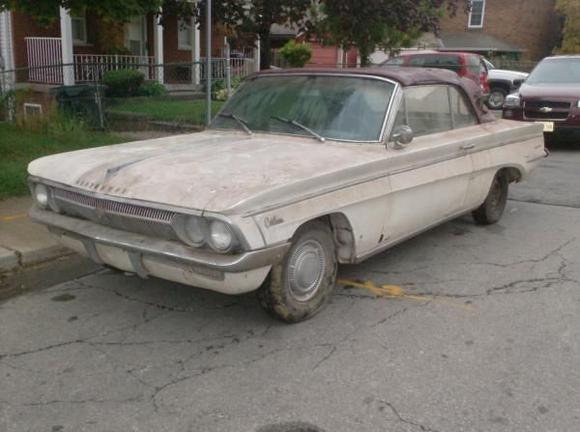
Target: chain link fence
{"type": "Point", "coordinates": [112, 94]}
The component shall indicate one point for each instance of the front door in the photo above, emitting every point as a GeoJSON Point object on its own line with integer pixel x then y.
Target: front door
{"type": "Point", "coordinates": [430, 177]}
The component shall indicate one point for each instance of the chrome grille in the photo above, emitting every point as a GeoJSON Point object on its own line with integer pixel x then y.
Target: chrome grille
{"type": "Point", "coordinates": [547, 110]}
{"type": "Point", "coordinates": [124, 216]}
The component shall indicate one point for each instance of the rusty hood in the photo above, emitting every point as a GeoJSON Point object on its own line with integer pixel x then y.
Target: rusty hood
{"type": "Point", "coordinates": [214, 171]}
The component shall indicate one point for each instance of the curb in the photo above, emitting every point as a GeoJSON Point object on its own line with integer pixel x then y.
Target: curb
{"type": "Point", "coordinates": [12, 261]}
{"type": "Point", "coordinates": [34, 277]}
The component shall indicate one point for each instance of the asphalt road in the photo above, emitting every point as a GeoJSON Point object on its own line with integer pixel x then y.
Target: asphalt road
{"type": "Point", "coordinates": [461, 329]}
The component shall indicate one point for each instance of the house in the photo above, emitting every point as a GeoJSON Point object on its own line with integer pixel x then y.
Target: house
{"type": "Point", "coordinates": [323, 54]}
{"type": "Point", "coordinates": [80, 48]}
{"type": "Point", "coordinates": [514, 29]}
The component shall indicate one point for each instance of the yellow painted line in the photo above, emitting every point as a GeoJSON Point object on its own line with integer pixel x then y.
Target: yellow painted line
{"type": "Point", "coordinates": [397, 292]}
{"type": "Point", "coordinates": [13, 217]}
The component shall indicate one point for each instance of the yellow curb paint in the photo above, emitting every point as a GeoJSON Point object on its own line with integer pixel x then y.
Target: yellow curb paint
{"type": "Point", "coordinates": [13, 217]}
{"type": "Point", "coordinates": [395, 291]}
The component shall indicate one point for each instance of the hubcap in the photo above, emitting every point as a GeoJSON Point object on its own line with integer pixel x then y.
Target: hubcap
{"type": "Point", "coordinates": [496, 99]}
{"type": "Point", "coordinates": [306, 268]}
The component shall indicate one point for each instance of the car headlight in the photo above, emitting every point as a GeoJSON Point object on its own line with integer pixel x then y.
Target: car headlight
{"type": "Point", "coordinates": [578, 104]}
{"type": "Point", "coordinates": [41, 195]}
{"type": "Point", "coordinates": [198, 231]}
{"type": "Point", "coordinates": [192, 230]}
{"type": "Point", "coordinates": [513, 101]}
{"type": "Point", "coordinates": [221, 237]}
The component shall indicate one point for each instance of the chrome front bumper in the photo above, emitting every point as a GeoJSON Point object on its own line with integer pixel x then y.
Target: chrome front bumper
{"type": "Point", "coordinates": [230, 274]}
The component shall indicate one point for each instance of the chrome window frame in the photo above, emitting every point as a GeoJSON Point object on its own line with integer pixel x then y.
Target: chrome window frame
{"type": "Point", "coordinates": [448, 87]}
{"type": "Point", "coordinates": [381, 139]}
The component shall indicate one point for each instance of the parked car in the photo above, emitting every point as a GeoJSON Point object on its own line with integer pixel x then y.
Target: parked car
{"type": "Point", "coordinates": [464, 64]}
{"type": "Point", "coordinates": [501, 83]}
{"type": "Point", "coordinates": [550, 96]}
{"type": "Point", "coordinates": [300, 171]}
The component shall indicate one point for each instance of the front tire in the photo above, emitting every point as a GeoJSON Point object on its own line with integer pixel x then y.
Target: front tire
{"type": "Point", "coordinates": [300, 286]}
{"type": "Point", "coordinates": [496, 98]}
{"type": "Point", "coordinates": [494, 205]}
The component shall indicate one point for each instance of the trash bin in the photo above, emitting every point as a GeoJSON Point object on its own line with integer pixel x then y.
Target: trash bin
{"type": "Point", "coordinates": [83, 101]}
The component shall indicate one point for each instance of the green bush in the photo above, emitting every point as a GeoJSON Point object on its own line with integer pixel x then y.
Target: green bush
{"type": "Point", "coordinates": [123, 82]}
{"type": "Point", "coordinates": [152, 88]}
{"type": "Point", "coordinates": [296, 54]}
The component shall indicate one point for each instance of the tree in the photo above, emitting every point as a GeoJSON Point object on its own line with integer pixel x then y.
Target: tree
{"type": "Point", "coordinates": [570, 10]}
{"type": "Point", "coordinates": [47, 11]}
{"type": "Point", "coordinates": [257, 16]}
{"type": "Point", "coordinates": [369, 24]}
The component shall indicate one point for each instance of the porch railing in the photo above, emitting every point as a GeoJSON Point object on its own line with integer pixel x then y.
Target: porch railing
{"type": "Point", "coordinates": [92, 67]}
{"type": "Point", "coordinates": [45, 65]}
{"type": "Point", "coordinates": [44, 55]}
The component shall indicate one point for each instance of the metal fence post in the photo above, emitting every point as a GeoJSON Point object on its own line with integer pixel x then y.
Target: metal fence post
{"type": "Point", "coordinates": [208, 62]}
{"type": "Point", "coordinates": [228, 69]}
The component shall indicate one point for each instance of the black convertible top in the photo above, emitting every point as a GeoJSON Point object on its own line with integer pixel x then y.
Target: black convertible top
{"type": "Point", "coordinates": [407, 76]}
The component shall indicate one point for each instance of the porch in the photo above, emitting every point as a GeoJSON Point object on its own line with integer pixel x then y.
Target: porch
{"type": "Point", "coordinates": [58, 61]}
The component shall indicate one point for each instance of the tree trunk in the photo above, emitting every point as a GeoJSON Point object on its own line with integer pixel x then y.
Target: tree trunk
{"type": "Point", "coordinates": [364, 53]}
{"type": "Point", "coordinates": [265, 51]}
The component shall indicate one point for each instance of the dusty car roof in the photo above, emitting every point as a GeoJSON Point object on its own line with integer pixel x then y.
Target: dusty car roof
{"type": "Point", "coordinates": [406, 76]}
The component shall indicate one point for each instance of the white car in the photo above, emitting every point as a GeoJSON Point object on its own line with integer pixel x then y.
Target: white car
{"type": "Point", "coordinates": [501, 83]}
{"type": "Point", "coordinates": [300, 171]}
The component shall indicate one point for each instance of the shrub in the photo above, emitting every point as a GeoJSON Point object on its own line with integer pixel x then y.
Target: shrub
{"type": "Point", "coordinates": [152, 88]}
{"type": "Point", "coordinates": [123, 82]}
{"type": "Point", "coordinates": [219, 89]}
{"type": "Point", "coordinates": [296, 54]}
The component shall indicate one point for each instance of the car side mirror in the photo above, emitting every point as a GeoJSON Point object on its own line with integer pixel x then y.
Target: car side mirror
{"type": "Point", "coordinates": [517, 83]}
{"type": "Point", "coordinates": [402, 136]}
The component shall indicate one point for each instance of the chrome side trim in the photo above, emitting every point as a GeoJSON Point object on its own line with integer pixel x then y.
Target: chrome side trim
{"type": "Point", "coordinates": [89, 232]}
{"type": "Point", "coordinates": [480, 147]}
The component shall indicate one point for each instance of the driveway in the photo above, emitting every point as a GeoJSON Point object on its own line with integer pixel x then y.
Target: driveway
{"type": "Point", "coordinates": [463, 328]}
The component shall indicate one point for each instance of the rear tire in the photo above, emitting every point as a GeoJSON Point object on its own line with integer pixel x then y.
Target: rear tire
{"type": "Point", "coordinates": [494, 205]}
{"type": "Point", "coordinates": [300, 286]}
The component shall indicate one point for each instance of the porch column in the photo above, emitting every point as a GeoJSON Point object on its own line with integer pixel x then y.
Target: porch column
{"type": "Point", "coordinates": [196, 51]}
{"type": "Point", "coordinates": [158, 47]}
{"type": "Point", "coordinates": [257, 55]}
{"type": "Point", "coordinates": [340, 58]}
{"type": "Point", "coordinates": [68, 70]}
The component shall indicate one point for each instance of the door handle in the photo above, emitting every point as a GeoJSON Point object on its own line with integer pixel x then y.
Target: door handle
{"type": "Point", "coordinates": [467, 146]}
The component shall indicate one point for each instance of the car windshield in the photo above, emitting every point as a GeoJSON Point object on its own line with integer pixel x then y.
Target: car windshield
{"type": "Point", "coordinates": [556, 71]}
{"type": "Point", "coordinates": [322, 106]}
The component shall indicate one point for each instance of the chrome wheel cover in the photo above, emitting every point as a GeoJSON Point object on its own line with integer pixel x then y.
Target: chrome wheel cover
{"type": "Point", "coordinates": [306, 269]}
{"type": "Point", "coordinates": [496, 100]}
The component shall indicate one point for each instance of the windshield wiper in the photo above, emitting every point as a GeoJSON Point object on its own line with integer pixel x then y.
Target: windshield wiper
{"type": "Point", "coordinates": [300, 126]}
{"type": "Point", "coordinates": [241, 122]}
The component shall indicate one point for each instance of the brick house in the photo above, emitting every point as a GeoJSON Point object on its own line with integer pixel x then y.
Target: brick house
{"type": "Point", "coordinates": [323, 54]}
{"type": "Point", "coordinates": [526, 29]}
{"type": "Point", "coordinates": [70, 50]}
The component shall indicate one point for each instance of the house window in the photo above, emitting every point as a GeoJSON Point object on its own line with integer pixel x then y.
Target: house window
{"type": "Point", "coordinates": [185, 35]}
{"type": "Point", "coordinates": [79, 28]}
{"type": "Point", "coordinates": [476, 14]}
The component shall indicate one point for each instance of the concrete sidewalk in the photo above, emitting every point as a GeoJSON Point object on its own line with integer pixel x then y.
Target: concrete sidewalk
{"type": "Point", "coordinates": [30, 258]}
{"type": "Point", "coordinates": [22, 242]}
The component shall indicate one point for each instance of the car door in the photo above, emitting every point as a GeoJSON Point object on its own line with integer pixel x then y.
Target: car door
{"type": "Point", "coordinates": [431, 175]}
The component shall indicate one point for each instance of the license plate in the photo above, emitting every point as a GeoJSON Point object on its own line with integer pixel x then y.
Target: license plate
{"type": "Point", "coordinates": [548, 126]}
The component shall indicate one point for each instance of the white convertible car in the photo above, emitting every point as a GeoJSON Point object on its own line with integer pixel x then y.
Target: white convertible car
{"type": "Point", "coordinates": [300, 171]}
